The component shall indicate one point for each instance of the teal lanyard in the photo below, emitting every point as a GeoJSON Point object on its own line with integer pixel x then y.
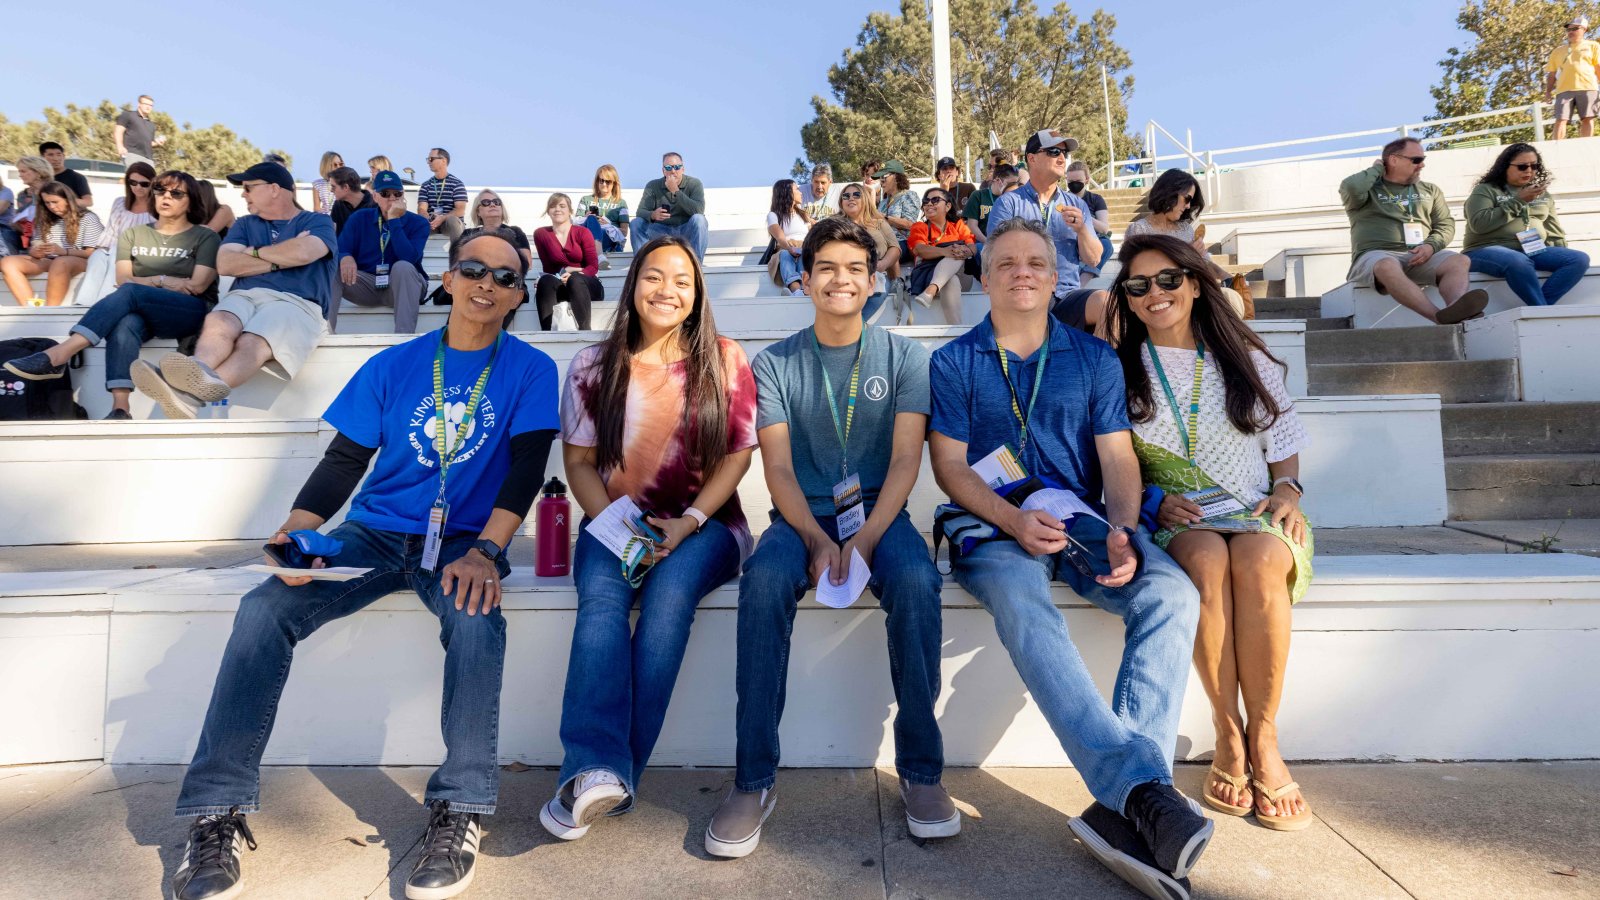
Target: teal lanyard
{"type": "Point", "coordinates": [1190, 435]}
{"type": "Point", "coordinates": [447, 459]}
{"type": "Point", "coordinates": [841, 432]}
{"type": "Point", "coordinates": [1038, 379]}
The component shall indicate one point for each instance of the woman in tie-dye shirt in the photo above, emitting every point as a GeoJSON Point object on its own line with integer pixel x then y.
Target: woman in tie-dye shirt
{"type": "Point", "coordinates": [663, 412]}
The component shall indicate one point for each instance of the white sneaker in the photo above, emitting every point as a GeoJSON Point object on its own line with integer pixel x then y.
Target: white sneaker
{"type": "Point", "coordinates": [592, 795]}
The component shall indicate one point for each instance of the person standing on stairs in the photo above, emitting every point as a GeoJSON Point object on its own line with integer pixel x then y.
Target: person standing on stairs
{"type": "Point", "coordinates": [1399, 228]}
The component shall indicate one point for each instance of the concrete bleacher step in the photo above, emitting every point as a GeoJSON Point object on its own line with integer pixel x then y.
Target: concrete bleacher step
{"type": "Point", "coordinates": [1494, 429]}
{"type": "Point", "coordinates": [1523, 486]}
{"type": "Point", "coordinates": [1455, 381]}
{"type": "Point", "coordinates": [1331, 323]}
{"type": "Point", "coordinates": [1288, 307]}
{"type": "Point", "coordinates": [1380, 345]}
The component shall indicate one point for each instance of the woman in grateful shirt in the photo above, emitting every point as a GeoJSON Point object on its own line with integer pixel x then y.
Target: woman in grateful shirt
{"type": "Point", "coordinates": [661, 412]}
{"type": "Point", "coordinates": [167, 282]}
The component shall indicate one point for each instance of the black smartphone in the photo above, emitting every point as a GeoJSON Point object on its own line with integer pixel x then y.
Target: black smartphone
{"type": "Point", "coordinates": [594, 210]}
{"type": "Point", "coordinates": [287, 556]}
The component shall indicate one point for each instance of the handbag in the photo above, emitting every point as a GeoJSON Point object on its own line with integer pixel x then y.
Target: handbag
{"type": "Point", "coordinates": [562, 318]}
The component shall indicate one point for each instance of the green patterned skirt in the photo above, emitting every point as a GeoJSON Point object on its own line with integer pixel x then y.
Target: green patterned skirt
{"type": "Point", "coordinates": [1174, 474]}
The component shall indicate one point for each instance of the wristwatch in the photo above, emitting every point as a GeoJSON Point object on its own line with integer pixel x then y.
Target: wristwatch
{"type": "Point", "coordinates": [492, 551]}
{"type": "Point", "coordinates": [698, 517]}
{"type": "Point", "coordinates": [1291, 482]}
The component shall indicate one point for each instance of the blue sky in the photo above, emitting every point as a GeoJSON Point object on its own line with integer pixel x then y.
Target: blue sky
{"type": "Point", "coordinates": [541, 99]}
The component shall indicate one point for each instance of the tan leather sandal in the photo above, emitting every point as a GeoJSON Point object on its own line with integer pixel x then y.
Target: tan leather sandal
{"type": "Point", "coordinates": [1281, 823]}
{"type": "Point", "coordinates": [1238, 783]}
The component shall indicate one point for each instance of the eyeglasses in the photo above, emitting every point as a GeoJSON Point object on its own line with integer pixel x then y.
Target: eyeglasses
{"type": "Point", "coordinates": [474, 270]}
{"type": "Point", "coordinates": [435, 158]}
{"type": "Point", "coordinates": [932, 200]}
{"type": "Point", "coordinates": [608, 181]}
{"type": "Point", "coordinates": [1188, 199]}
{"type": "Point", "coordinates": [1080, 556]}
{"type": "Point", "coordinates": [489, 201]}
{"type": "Point", "coordinates": [391, 194]}
{"type": "Point", "coordinates": [1523, 167]}
{"type": "Point", "coordinates": [248, 187]}
{"type": "Point", "coordinates": [850, 195]}
{"type": "Point", "coordinates": [134, 182]}
{"type": "Point", "coordinates": [1052, 152]}
{"type": "Point", "coordinates": [676, 168]}
{"type": "Point", "coordinates": [1166, 279]}
{"type": "Point", "coordinates": [1415, 160]}
{"type": "Point", "coordinates": [174, 193]}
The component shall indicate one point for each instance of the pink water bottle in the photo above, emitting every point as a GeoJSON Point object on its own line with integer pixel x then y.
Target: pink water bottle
{"type": "Point", "coordinates": [553, 532]}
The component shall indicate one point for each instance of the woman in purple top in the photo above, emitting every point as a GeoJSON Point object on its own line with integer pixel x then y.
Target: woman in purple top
{"type": "Point", "coordinates": [570, 262]}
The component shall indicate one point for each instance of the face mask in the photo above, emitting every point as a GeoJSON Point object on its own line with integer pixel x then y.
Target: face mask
{"type": "Point", "coordinates": [1075, 186]}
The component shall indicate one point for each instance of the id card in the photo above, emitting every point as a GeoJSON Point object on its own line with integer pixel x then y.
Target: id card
{"type": "Point", "coordinates": [381, 276]}
{"type": "Point", "coordinates": [1415, 234]}
{"type": "Point", "coordinates": [435, 536]}
{"type": "Point", "coordinates": [1531, 241]}
{"type": "Point", "coordinates": [1000, 468]}
{"type": "Point", "coordinates": [848, 508]}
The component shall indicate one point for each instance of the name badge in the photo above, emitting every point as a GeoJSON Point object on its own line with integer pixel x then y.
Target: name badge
{"type": "Point", "coordinates": [848, 508]}
{"type": "Point", "coordinates": [1414, 234]}
{"type": "Point", "coordinates": [435, 536]}
{"type": "Point", "coordinates": [381, 279]}
{"type": "Point", "coordinates": [1531, 241]}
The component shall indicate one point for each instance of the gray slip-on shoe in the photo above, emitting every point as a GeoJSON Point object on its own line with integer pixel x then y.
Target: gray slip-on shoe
{"type": "Point", "coordinates": [735, 828]}
{"type": "Point", "coordinates": [930, 813]}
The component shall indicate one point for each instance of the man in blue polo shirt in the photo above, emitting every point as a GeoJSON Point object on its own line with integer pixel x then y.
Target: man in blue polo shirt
{"type": "Point", "coordinates": [1068, 221]}
{"type": "Point", "coordinates": [1077, 441]}
{"type": "Point", "coordinates": [380, 256]}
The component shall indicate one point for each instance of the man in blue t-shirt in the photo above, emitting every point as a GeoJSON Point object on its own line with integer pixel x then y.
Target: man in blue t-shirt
{"type": "Point", "coordinates": [281, 260]}
{"type": "Point", "coordinates": [1068, 221]}
{"type": "Point", "coordinates": [842, 411]}
{"type": "Point", "coordinates": [380, 256]}
{"type": "Point", "coordinates": [460, 457]}
{"type": "Point", "coordinates": [1078, 442]}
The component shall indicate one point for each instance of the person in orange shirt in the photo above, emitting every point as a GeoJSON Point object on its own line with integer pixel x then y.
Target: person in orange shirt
{"type": "Point", "coordinates": [942, 245]}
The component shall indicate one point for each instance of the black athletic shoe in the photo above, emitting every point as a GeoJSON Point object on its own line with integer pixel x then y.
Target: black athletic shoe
{"type": "Point", "coordinates": [449, 854]}
{"type": "Point", "coordinates": [1112, 840]}
{"type": "Point", "coordinates": [1171, 826]}
{"type": "Point", "coordinates": [210, 868]}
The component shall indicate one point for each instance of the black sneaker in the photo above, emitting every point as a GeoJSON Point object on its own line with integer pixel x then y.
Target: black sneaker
{"type": "Point", "coordinates": [1171, 825]}
{"type": "Point", "coordinates": [210, 868]}
{"type": "Point", "coordinates": [118, 415]}
{"type": "Point", "coordinates": [1112, 840]}
{"type": "Point", "coordinates": [35, 367]}
{"type": "Point", "coordinates": [449, 853]}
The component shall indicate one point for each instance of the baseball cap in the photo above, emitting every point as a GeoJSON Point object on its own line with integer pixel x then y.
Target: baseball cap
{"type": "Point", "coordinates": [270, 172]}
{"type": "Point", "coordinates": [1047, 138]}
{"type": "Point", "coordinates": [388, 180]}
{"type": "Point", "coordinates": [946, 162]}
{"type": "Point", "coordinates": [892, 165]}
{"type": "Point", "coordinates": [1579, 22]}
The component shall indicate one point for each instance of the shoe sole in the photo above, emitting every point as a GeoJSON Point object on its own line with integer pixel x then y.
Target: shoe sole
{"type": "Point", "coordinates": [739, 849]}
{"type": "Point", "coordinates": [557, 829]}
{"type": "Point", "coordinates": [29, 376]}
{"type": "Point", "coordinates": [1150, 881]}
{"type": "Point", "coordinates": [184, 374]}
{"type": "Point", "coordinates": [1190, 855]}
{"type": "Point", "coordinates": [150, 383]}
{"type": "Point", "coordinates": [440, 893]}
{"type": "Point", "coordinates": [1470, 304]}
{"type": "Point", "coordinates": [948, 828]}
{"type": "Point", "coordinates": [587, 814]}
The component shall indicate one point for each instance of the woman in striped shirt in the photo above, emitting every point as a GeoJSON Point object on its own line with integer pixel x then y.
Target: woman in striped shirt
{"type": "Point", "coordinates": [63, 238]}
{"type": "Point", "coordinates": [132, 209]}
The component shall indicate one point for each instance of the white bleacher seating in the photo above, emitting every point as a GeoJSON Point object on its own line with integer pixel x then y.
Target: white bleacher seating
{"type": "Point", "coordinates": [1554, 347]}
{"type": "Point", "coordinates": [1313, 271]}
{"type": "Point", "coordinates": [1370, 309]}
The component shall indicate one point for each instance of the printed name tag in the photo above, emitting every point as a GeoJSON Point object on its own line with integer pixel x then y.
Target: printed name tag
{"type": "Point", "coordinates": [1414, 234]}
{"type": "Point", "coordinates": [1531, 241]}
{"type": "Point", "coordinates": [435, 537]}
{"type": "Point", "coordinates": [381, 276]}
{"type": "Point", "coordinates": [848, 507]}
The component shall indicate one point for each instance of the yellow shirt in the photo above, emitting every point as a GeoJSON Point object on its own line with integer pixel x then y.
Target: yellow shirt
{"type": "Point", "coordinates": [1575, 66]}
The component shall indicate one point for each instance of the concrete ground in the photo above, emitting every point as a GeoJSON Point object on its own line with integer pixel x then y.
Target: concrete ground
{"type": "Point", "coordinates": [1462, 830]}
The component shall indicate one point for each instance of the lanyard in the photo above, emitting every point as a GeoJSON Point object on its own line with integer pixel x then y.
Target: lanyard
{"type": "Point", "coordinates": [446, 459]}
{"type": "Point", "coordinates": [843, 434]}
{"type": "Point", "coordinates": [1191, 435]}
{"type": "Point", "coordinates": [1038, 378]}
{"type": "Point", "coordinates": [383, 239]}
{"type": "Point", "coordinates": [1044, 213]}
{"type": "Point", "coordinates": [1407, 201]}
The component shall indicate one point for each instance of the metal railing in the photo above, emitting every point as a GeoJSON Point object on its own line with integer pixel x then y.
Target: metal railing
{"type": "Point", "coordinates": [1208, 165]}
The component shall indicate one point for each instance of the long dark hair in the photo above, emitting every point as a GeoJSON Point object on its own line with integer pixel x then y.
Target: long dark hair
{"type": "Point", "coordinates": [783, 200]}
{"type": "Point", "coordinates": [1496, 176]}
{"type": "Point", "coordinates": [1172, 184]}
{"type": "Point", "coordinates": [705, 402]}
{"type": "Point", "coordinates": [196, 213]}
{"type": "Point", "coordinates": [149, 173]}
{"type": "Point", "coordinates": [1226, 337]}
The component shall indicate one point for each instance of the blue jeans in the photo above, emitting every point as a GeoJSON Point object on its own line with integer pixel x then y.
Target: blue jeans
{"type": "Point", "coordinates": [273, 618]}
{"type": "Point", "coordinates": [695, 231]}
{"type": "Point", "coordinates": [1118, 747]}
{"type": "Point", "coordinates": [605, 243]}
{"type": "Point", "coordinates": [907, 587]}
{"type": "Point", "coordinates": [790, 267]}
{"type": "Point", "coordinates": [1520, 270]}
{"type": "Point", "coordinates": [619, 684]}
{"type": "Point", "coordinates": [131, 315]}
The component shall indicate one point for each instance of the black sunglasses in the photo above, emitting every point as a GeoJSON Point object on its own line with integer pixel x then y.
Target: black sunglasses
{"type": "Point", "coordinates": [489, 201]}
{"type": "Point", "coordinates": [1523, 167]}
{"type": "Point", "coordinates": [391, 194]}
{"type": "Point", "coordinates": [174, 193]}
{"type": "Point", "coordinates": [1166, 279]}
{"type": "Point", "coordinates": [134, 182]}
{"type": "Point", "coordinates": [477, 271]}
{"type": "Point", "coordinates": [1415, 160]}
{"type": "Point", "coordinates": [1052, 151]}
{"type": "Point", "coordinates": [1082, 558]}
{"type": "Point", "coordinates": [934, 200]}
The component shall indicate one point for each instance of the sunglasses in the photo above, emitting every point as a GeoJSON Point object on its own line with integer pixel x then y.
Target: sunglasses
{"type": "Point", "coordinates": [932, 200]}
{"type": "Point", "coordinates": [174, 193]}
{"type": "Point", "coordinates": [1052, 151]}
{"type": "Point", "coordinates": [1081, 558]}
{"type": "Point", "coordinates": [850, 195]}
{"type": "Point", "coordinates": [134, 182]}
{"type": "Point", "coordinates": [477, 271]}
{"type": "Point", "coordinates": [1415, 160]}
{"type": "Point", "coordinates": [435, 158]}
{"type": "Point", "coordinates": [676, 168]}
{"type": "Point", "coordinates": [1166, 279]}
{"type": "Point", "coordinates": [391, 194]}
{"type": "Point", "coordinates": [489, 201]}
{"type": "Point", "coordinates": [1523, 167]}
{"type": "Point", "coordinates": [1188, 199]}
{"type": "Point", "coordinates": [608, 181]}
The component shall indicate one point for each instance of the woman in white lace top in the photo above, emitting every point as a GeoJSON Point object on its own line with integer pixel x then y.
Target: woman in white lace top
{"type": "Point", "coordinates": [1212, 419]}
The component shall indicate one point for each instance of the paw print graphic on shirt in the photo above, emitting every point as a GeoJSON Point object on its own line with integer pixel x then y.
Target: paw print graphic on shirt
{"type": "Point", "coordinates": [453, 414]}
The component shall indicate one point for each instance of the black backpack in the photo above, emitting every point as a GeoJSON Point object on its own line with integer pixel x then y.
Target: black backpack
{"type": "Point", "coordinates": [23, 399]}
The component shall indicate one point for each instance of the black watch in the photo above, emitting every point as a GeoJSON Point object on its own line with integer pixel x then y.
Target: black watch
{"type": "Point", "coordinates": [492, 551]}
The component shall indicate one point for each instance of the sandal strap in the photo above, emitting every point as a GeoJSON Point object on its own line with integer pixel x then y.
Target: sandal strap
{"type": "Point", "coordinates": [1239, 782]}
{"type": "Point", "coordinates": [1274, 795]}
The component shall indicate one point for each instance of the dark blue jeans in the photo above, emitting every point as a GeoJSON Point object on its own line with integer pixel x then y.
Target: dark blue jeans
{"type": "Point", "coordinates": [907, 587]}
{"type": "Point", "coordinates": [133, 314]}
{"type": "Point", "coordinates": [275, 617]}
{"type": "Point", "coordinates": [606, 244]}
{"type": "Point", "coordinates": [619, 680]}
{"type": "Point", "coordinates": [1521, 271]}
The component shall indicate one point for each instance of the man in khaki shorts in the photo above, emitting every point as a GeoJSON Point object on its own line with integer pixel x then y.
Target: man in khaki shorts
{"type": "Point", "coordinates": [1572, 76]}
{"type": "Point", "coordinates": [282, 262]}
{"type": "Point", "coordinates": [1399, 228]}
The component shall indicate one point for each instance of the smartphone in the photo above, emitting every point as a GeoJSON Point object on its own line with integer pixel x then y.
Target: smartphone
{"type": "Point", "coordinates": [286, 555]}
{"type": "Point", "coordinates": [594, 210]}
{"type": "Point", "coordinates": [642, 527]}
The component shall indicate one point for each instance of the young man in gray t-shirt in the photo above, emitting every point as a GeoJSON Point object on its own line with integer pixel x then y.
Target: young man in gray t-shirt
{"type": "Point", "coordinates": [842, 418]}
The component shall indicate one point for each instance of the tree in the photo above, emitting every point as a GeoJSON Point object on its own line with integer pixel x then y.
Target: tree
{"type": "Point", "coordinates": [86, 132]}
{"type": "Point", "coordinates": [1013, 72]}
{"type": "Point", "coordinates": [1504, 65]}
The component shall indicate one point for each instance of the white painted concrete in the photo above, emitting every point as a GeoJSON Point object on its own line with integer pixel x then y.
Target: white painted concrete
{"type": "Point", "coordinates": [1554, 347]}
{"type": "Point", "coordinates": [1370, 309]}
{"type": "Point", "coordinates": [1443, 657]}
{"type": "Point", "coordinates": [1313, 271]}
